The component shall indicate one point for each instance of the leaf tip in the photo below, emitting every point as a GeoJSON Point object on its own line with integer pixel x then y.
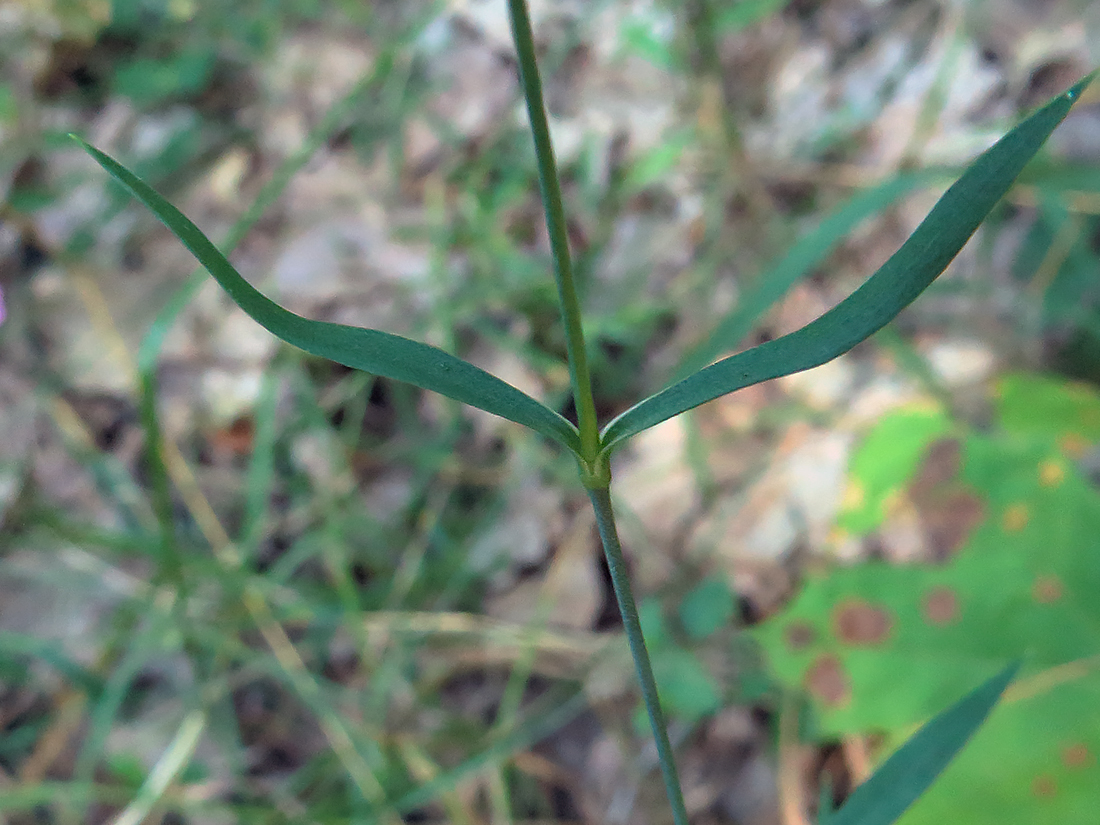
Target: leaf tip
{"type": "Point", "coordinates": [1074, 92]}
{"type": "Point", "coordinates": [83, 144]}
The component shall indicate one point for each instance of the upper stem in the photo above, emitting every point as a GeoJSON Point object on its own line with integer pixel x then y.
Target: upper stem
{"type": "Point", "coordinates": [559, 240]}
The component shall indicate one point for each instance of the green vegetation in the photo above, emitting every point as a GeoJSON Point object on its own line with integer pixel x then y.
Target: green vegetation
{"type": "Point", "coordinates": [923, 257]}
{"type": "Point", "coordinates": [879, 647]}
{"type": "Point", "coordinates": [274, 626]}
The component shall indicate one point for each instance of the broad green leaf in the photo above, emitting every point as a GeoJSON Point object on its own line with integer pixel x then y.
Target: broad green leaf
{"type": "Point", "coordinates": [687, 690]}
{"type": "Point", "coordinates": [659, 161]}
{"type": "Point", "coordinates": [654, 628]}
{"type": "Point", "coordinates": [1014, 524]}
{"type": "Point", "coordinates": [808, 252]}
{"type": "Point", "coordinates": [909, 772]}
{"type": "Point", "coordinates": [1043, 406]}
{"type": "Point", "coordinates": [648, 39]}
{"type": "Point", "coordinates": [370, 350]}
{"type": "Point", "coordinates": [707, 608]}
{"type": "Point", "coordinates": [741, 15]}
{"type": "Point", "coordinates": [886, 460]}
{"type": "Point", "coordinates": [927, 252]}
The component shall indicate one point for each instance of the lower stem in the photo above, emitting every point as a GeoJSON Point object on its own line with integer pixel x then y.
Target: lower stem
{"type": "Point", "coordinates": [613, 552]}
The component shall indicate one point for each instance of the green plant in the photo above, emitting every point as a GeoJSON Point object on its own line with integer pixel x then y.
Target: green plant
{"type": "Point", "coordinates": [688, 691]}
{"type": "Point", "coordinates": [1014, 520]}
{"type": "Point", "coordinates": [1056, 269]}
{"type": "Point", "coordinates": [919, 261]}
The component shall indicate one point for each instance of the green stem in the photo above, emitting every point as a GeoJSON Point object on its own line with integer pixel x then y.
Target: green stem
{"type": "Point", "coordinates": [613, 551]}
{"type": "Point", "coordinates": [169, 562]}
{"type": "Point", "coordinates": [559, 238]}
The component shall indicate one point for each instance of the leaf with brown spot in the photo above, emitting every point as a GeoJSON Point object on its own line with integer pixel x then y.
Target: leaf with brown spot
{"type": "Point", "coordinates": [858, 622]}
{"type": "Point", "coordinates": [800, 635]}
{"type": "Point", "coordinates": [825, 680]}
{"type": "Point", "coordinates": [1044, 786]}
{"type": "Point", "coordinates": [941, 606]}
{"type": "Point", "coordinates": [1047, 589]}
{"type": "Point", "coordinates": [1076, 755]}
{"type": "Point", "coordinates": [900, 642]}
{"type": "Point", "coordinates": [949, 509]}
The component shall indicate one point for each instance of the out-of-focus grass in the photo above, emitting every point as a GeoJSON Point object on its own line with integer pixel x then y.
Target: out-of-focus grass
{"type": "Point", "coordinates": [239, 621]}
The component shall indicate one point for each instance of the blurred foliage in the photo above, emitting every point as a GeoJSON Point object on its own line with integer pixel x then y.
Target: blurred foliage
{"type": "Point", "coordinates": [1012, 519]}
{"type": "Point", "coordinates": [689, 689]}
{"type": "Point", "coordinates": [324, 557]}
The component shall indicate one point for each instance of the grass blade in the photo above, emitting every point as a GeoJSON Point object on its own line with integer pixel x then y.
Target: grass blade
{"type": "Point", "coordinates": [168, 767]}
{"type": "Point", "coordinates": [927, 252]}
{"type": "Point", "coordinates": [261, 469]}
{"type": "Point", "coordinates": [370, 350]}
{"type": "Point", "coordinates": [902, 778]}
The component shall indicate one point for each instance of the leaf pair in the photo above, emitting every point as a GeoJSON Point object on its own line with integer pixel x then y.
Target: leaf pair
{"type": "Point", "coordinates": [926, 254]}
{"type": "Point", "coordinates": [920, 260]}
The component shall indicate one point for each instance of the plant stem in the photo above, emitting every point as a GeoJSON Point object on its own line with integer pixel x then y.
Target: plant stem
{"type": "Point", "coordinates": [613, 551]}
{"type": "Point", "coordinates": [559, 239]}
{"type": "Point", "coordinates": [595, 468]}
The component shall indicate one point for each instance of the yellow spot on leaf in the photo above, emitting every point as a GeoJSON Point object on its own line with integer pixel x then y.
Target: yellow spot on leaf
{"type": "Point", "coordinates": [854, 496]}
{"type": "Point", "coordinates": [1051, 474]}
{"type": "Point", "coordinates": [1015, 518]}
{"type": "Point", "coordinates": [893, 503]}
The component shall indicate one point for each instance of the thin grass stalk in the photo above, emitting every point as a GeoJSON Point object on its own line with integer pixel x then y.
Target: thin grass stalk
{"type": "Point", "coordinates": [169, 563]}
{"type": "Point", "coordinates": [613, 551]}
{"type": "Point", "coordinates": [559, 238]}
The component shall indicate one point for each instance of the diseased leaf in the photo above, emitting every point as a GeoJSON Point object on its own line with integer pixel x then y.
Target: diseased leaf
{"type": "Point", "coordinates": [370, 350]}
{"type": "Point", "coordinates": [1047, 407]}
{"type": "Point", "coordinates": [886, 460]}
{"type": "Point", "coordinates": [926, 253]}
{"type": "Point", "coordinates": [912, 769]}
{"type": "Point", "coordinates": [879, 647]}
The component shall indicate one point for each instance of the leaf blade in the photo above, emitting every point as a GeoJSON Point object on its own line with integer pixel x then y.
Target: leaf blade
{"type": "Point", "coordinates": [896, 284]}
{"type": "Point", "coordinates": [799, 260]}
{"type": "Point", "coordinates": [912, 769]}
{"type": "Point", "coordinates": [370, 350]}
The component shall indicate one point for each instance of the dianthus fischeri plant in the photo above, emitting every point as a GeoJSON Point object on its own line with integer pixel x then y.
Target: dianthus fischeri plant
{"type": "Point", "coordinates": [956, 216]}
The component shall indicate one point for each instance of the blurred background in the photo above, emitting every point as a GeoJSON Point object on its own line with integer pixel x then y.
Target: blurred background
{"type": "Point", "coordinates": [240, 584]}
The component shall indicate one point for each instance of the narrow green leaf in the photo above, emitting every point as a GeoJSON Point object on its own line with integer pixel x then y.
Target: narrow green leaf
{"type": "Point", "coordinates": [261, 468]}
{"type": "Point", "coordinates": [912, 769]}
{"type": "Point", "coordinates": [370, 350]}
{"type": "Point", "coordinates": [807, 252]}
{"type": "Point", "coordinates": [14, 646]}
{"type": "Point", "coordinates": [927, 252]}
